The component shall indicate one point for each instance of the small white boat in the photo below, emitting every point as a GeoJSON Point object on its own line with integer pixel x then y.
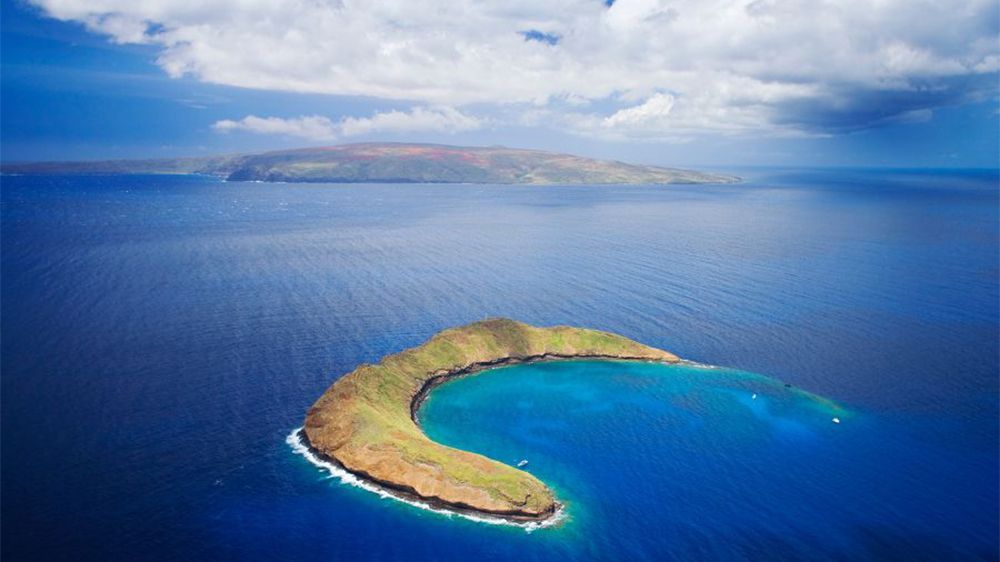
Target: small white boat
{"type": "Point", "coordinates": [523, 462]}
{"type": "Point", "coordinates": [754, 397]}
{"type": "Point", "coordinates": [836, 420]}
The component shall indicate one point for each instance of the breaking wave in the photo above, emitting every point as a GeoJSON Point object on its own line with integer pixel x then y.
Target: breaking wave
{"type": "Point", "coordinates": [294, 440]}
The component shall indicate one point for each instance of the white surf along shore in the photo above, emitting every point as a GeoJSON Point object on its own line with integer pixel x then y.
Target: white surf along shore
{"type": "Point", "coordinates": [294, 440]}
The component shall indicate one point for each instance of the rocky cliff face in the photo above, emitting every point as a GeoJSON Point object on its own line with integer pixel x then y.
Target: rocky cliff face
{"type": "Point", "coordinates": [366, 420]}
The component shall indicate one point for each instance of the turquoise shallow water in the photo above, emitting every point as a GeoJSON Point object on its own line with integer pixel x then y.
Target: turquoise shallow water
{"type": "Point", "coordinates": [162, 336]}
{"type": "Point", "coordinates": [652, 460]}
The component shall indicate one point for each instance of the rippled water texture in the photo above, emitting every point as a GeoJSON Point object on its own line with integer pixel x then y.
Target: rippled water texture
{"type": "Point", "coordinates": [161, 337]}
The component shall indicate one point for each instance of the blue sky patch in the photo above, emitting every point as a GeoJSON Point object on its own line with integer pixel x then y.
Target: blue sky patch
{"type": "Point", "coordinates": [540, 36]}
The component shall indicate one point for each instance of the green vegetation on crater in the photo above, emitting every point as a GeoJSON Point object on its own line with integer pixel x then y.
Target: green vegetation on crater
{"type": "Point", "coordinates": [364, 421]}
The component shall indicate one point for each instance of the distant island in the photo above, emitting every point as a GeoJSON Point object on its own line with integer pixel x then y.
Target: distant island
{"type": "Point", "coordinates": [366, 422]}
{"type": "Point", "coordinates": [391, 163]}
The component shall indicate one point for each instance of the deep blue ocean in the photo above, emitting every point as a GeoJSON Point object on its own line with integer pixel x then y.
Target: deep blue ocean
{"type": "Point", "coordinates": [162, 336]}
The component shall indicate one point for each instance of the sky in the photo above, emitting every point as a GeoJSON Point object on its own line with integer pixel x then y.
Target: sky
{"type": "Point", "coordinates": [899, 83]}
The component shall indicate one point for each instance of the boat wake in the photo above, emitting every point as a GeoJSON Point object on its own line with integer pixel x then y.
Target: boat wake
{"type": "Point", "coordinates": [294, 440]}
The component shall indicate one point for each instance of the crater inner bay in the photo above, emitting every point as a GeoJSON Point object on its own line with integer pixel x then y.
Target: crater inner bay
{"type": "Point", "coordinates": [367, 422]}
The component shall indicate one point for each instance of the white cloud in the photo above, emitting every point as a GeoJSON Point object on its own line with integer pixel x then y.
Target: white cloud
{"type": "Point", "coordinates": [655, 109]}
{"type": "Point", "coordinates": [418, 119]}
{"type": "Point", "coordinates": [315, 127]}
{"type": "Point", "coordinates": [312, 127]}
{"type": "Point", "coordinates": [730, 65]}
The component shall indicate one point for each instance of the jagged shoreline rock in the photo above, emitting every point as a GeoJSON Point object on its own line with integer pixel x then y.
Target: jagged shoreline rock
{"type": "Point", "coordinates": [366, 422]}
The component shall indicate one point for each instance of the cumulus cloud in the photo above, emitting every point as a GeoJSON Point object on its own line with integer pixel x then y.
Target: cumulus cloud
{"type": "Point", "coordinates": [654, 109]}
{"type": "Point", "coordinates": [315, 127]}
{"type": "Point", "coordinates": [418, 119]}
{"type": "Point", "coordinates": [312, 127]}
{"type": "Point", "coordinates": [729, 65]}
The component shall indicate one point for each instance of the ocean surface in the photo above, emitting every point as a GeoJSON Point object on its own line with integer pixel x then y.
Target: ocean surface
{"type": "Point", "coordinates": [162, 337]}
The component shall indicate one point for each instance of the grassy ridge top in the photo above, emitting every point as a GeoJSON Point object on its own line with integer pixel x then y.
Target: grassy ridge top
{"type": "Point", "coordinates": [391, 163]}
{"type": "Point", "coordinates": [364, 420]}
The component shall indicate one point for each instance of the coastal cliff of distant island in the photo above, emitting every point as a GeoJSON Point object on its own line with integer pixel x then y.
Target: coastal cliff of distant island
{"type": "Point", "coordinates": [366, 422]}
{"type": "Point", "coordinates": [391, 163]}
